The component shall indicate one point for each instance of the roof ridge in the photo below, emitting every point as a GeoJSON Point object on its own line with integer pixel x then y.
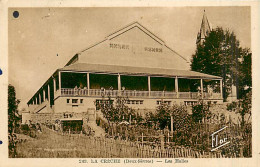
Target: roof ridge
{"type": "Point", "coordinates": [134, 22]}
{"type": "Point", "coordinates": [140, 25]}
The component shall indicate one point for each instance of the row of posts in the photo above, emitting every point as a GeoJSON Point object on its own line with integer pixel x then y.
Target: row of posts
{"type": "Point", "coordinates": [119, 87]}
{"type": "Point", "coordinates": [44, 93]}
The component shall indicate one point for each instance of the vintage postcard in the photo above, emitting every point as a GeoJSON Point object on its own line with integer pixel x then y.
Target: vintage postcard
{"type": "Point", "coordinates": [129, 83]}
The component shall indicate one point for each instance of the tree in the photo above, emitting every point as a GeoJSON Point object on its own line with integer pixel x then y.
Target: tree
{"type": "Point", "coordinates": [181, 118]}
{"type": "Point", "coordinates": [246, 105]}
{"type": "Point", "coordinates": [13, 115]}
{"type": "Point", "coordinates": [163, 115]}
{"type": "Point", "coordinates": [117, 111]}
{"type": "Point", "coordinates": [245, 73]}
{"type": "Point", "coordinates": [200, 112]}
{"type": "Point", "coordinates": [221, 55]}
{"type": "Point", "coordinates": [12, 119]}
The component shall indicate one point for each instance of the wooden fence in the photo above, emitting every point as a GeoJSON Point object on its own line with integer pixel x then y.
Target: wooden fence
{"type": "Point", "coordinates": [102, 147]}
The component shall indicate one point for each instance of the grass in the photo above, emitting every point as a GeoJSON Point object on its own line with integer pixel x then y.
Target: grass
{"type": "Point", "coordinates": [51, 145]}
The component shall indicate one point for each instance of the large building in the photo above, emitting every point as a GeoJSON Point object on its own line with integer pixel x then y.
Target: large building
{"type": "Point", "coordinates": [131, 62]}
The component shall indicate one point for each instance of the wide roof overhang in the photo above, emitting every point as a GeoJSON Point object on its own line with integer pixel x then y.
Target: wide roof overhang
{"type": "Point", "coordinates": [141, 71]}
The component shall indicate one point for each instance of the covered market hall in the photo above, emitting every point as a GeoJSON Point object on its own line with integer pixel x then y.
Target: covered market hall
{"type": "Point", "coordinates": [131, 62]}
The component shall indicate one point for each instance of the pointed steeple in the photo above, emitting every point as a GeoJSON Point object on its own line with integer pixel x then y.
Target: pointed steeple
{"type": "Point", "coordinates": [204, 29]}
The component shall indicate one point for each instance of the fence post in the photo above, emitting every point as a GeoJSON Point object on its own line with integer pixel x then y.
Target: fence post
{"type": "Point", "coordinates": [162, 141]}
{"type": "Point", "coordinates": [142, 139]}
{"type": "Point", "coordinates": [112, 130]}
{"type": "Point", "coordinates": [171, 124]}
{"type": "Point", "coordinates": [168, 138]}
{"type": "Point", "coordinates": [241, 152]}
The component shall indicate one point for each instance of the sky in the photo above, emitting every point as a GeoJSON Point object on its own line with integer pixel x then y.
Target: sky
{"type": "Point", "coordinates": [41, 40]}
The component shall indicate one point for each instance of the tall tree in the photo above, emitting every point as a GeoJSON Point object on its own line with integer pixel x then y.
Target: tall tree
{"type": "Point", "coordinates": [221, 55]}
{"type": "Point", "coordinates": [245, 73]}
{"type": "Point", "coordinates": [13, 115]}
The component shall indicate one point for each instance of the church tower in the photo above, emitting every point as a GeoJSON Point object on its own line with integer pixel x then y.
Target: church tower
{"type": "Point", "coordinates": [204, 29]}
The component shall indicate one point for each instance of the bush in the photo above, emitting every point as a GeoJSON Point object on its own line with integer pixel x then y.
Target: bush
{"type": "Point", "coordinates": [232, 106]}
{"type": "Point", "coordinates": [200, 111]}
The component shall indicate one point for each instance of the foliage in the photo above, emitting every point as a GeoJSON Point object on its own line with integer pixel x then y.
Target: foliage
{"type": "Point", "coordinates": [117, 111]}
{"type": "Point", "coordinates": [246, 105]}
{"type": "Point", "coordinates": [200, 111]}
{"type": "Point", "coordinates": [163, 115]}
{"type": "Point", "coordinates": [181, 119]}
{"type": "Point", "coordinates": [221, 55]}
{"type": "Point", "coordinates": [13, 118]}
{"type": "Point", "coordinates": [232, 106]}
{"type": "Point", "coordinates": [245, 73]}
{"type": "Point", "coordinates": [13, 115]}
{"type": "Point", "coordinates": [151, 119]}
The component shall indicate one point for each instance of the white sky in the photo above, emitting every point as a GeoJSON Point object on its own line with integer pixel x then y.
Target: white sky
{"type": "Point", "coordinates": [39, 34]}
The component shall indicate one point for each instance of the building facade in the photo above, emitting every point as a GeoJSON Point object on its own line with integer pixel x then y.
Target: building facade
{"type": "Point", "coordinates": [131, 62]}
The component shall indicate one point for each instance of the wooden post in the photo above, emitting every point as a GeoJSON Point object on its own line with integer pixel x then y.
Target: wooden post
{"type": "Point", "coordinates": [60, 81]}
{"type": "Point", "coordinates": [43, 95]}
{"type": "Point", "coordinates": [49, 95]}
{"type": "Point", "coordinates": [168, 137]}
{"type": "Point", "coordinates": [54, 84]}
{"type": "Point", "coordinates": [142, 139]}
{"type": "Point", "coordinates": [40, 100]}
{"type": "Point", "coordinates": [171, 124]}
{"type": "Point", "coordinates": [112, 132]}
{"type": "Point", "coordinates": [221, 89]}
{"type": "Point", "coordinates": [88, 83]}
{"type": "Point", "coordinates": [162, 141]}
{"type": "Point", "coordinates": [149, 85]}
{"type": "Point", "coordinates": [176, 87]}
{"type": "Point", "coordinates": [201, 86]}
{"type": "Point", "coordinates": [119, 83]}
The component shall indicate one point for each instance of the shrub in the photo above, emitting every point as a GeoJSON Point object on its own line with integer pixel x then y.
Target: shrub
{"type": "Point", "coordinates": [232, 106]}
{"type": "Point", "coordinates": [200, 111]}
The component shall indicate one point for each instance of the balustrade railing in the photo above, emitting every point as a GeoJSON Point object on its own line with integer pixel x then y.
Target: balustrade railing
{"type": "Point", "coordinates": [136, 93]}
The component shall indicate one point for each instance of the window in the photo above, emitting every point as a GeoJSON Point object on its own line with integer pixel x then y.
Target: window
{"type": "Point", "coordinates": [163, 102]}
{"type": "Point", "coordinates": [168, 102]}
{"type": "Point", "coordinates": [190, 103]}
{"type": "Point", "coordinates": [74, 100]}
{"type": "Point", "coordinates": [135, 102]}
{"type": "Point", "coordinates": [68, 100]}
{"type": "Point", "coordinates": [81, 100]}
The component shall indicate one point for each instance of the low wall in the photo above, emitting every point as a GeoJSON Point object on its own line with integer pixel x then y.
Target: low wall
{"type": "Point", "coordinates": [52, 117]}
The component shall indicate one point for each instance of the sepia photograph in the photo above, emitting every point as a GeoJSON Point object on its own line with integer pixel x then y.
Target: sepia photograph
{"type": "Point", "coordinates": [130, 82]}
